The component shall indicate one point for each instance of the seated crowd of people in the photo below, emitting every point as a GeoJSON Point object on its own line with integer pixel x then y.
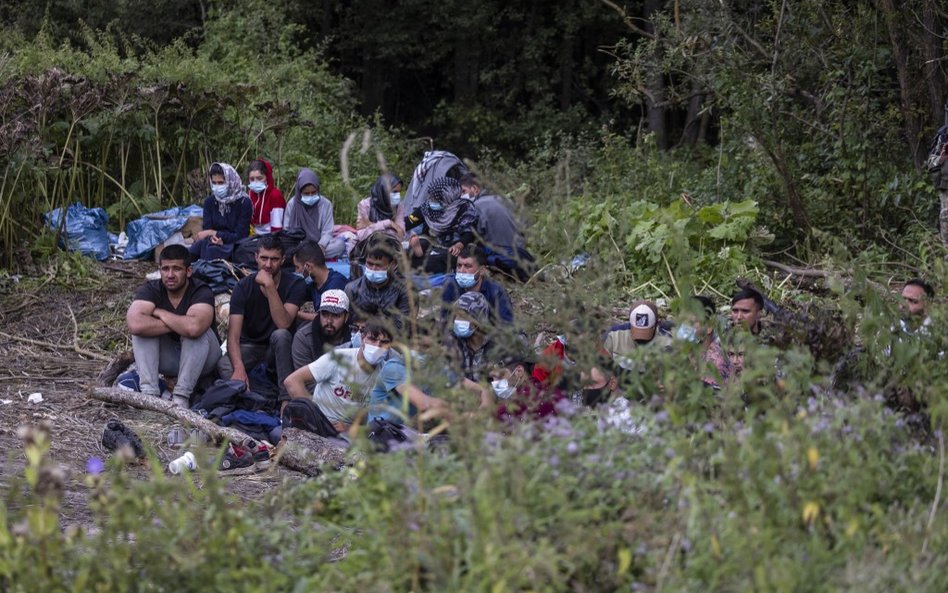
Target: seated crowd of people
{"type": "Point", "coordinates": [358, 354]}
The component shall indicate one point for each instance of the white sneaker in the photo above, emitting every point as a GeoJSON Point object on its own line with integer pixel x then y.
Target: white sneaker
{"type": "Point", "coordinates": [181, 401]}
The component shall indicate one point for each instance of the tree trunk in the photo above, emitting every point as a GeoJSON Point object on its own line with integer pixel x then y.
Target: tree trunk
{"type": "Point", "coordinates": [655, 81]}
{"type": "Point", "coordinates": [911, 127]}
{"type": "Point", "coordinates": [934, 73]}
{"type": "Point", "coordinates": [301, 451]}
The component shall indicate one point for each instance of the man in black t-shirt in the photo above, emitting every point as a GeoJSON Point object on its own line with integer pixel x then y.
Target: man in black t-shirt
{"type": "Point", "coordinates": [171, 322]}
{"type": "Point", "coordinates": [263, 310]}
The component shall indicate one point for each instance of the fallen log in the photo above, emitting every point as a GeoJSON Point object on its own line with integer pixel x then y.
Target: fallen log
{"type": "Point", "coordinates": [301, 451]}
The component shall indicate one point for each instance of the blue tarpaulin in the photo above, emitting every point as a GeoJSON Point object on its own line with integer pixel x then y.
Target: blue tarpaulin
{"type": "Point", "coordinates": [147, 232]}
{"type": "Point", "coordinates": [85, 230]}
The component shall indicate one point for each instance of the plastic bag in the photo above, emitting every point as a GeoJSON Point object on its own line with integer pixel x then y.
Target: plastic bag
{"type": "Point", "coordinates": [85, 230]}
{"type": "Point", "coordinates": [147, 232]}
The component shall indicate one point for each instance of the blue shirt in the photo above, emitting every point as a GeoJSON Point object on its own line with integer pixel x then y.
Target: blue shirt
{"type": "Point", "coordinates": [384, 401]}
{"type": "Point", "coordinates": [497, 298]}
{"type": "Point", "coordinates": [334, 281]}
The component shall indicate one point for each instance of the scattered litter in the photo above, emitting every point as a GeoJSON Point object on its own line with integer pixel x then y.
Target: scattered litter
{"type": "Point", "coordinates": [6, 401]}
{"type": "Point", "coordinates": [35, 398]}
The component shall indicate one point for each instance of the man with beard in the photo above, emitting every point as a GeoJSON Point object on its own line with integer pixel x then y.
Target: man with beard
{"type": "Point", "coordinates": [330, 329]}
{"type": "Point", "coordinates": [171, 322]}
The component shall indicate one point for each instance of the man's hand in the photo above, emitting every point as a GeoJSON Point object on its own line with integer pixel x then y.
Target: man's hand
{"type": "Point", "coordinates": [217, 240]}
{"type": "Point", "coordinates": [415, 244]}
{"type": "Point", "coordinates": [207, 233]}
{"type": "Point", "coordinates": [264, 279]}
{"type": "Point", "coordinates": [241, 375]}
{"type": "Point", "coordinates": [456, 248]}
{"type": "Point", "coordinates": [340, 427]}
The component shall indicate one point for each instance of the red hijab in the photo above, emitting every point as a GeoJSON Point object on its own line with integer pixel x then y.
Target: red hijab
{"type": "Point", "coordinates": [271, 198]}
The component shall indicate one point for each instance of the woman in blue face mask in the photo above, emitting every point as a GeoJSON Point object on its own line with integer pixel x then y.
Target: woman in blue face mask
{"type": "Point", "coordinates": [311, 212]}
{"type": "Point", "coordinates": [382, 211]}
{"type": "Point", "coordinates": [227, 213]}
{"type": "Point", "coordinates": [448, 222]}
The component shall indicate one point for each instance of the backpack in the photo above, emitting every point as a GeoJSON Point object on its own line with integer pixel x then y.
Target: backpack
{"type": "Point", "coordinates": [938, 153]}
{"type": "Point", "coordinates": [304, 414]}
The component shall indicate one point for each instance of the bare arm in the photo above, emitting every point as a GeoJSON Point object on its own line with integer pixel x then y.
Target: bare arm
{"type": "Point", "coordinates": [192, 324]}
{"type": "Point", "coordinates": [305, 315]}
{"type": "Point", "coordinates": [296, 382]}
{"type": "Point", "coordinates": [421, 400]}
{"type": "Point", "coordinates": [142, 322]}
{"type": "Point", "coordinates": [487, 398]}
{"type": "Point", "coordinates": [234, 327]}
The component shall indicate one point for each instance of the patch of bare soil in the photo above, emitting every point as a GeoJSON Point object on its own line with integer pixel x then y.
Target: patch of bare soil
{"type": "Point", "coordinates": [55, 338]}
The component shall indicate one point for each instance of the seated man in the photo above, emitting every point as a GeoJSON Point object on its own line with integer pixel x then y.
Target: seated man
{"type": "Point", "coordinates": [394, 397]}
{"type": "Point", "coordinates": [470, 335]}
{"type": "Point", "coordinates": [498, 231]}
{"type": "Point", "coordinates": [263, 310]}
{"type": "Point", "coordinates": [471, 276]}
{"type": "Point", "coordinates": [310, 263]}
{"type": "Point", "coordinates": [643, 329]}
{"type": "Point", "coordinates": [746, 308]}
{"type": "Point", "coordinates": [379, 289]}
{"type": "Point", "coordinates": [329, 331]}
{"type": "Point", "coordinates": [916, 295]}
{"type": "Point", "coordinates": [171, 322]}
{"type": "Point", "coordinates": [344, 377]}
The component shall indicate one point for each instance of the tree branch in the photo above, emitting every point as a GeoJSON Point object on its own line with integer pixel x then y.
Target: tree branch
{"type": "Point", "coordinates": [627, 20]}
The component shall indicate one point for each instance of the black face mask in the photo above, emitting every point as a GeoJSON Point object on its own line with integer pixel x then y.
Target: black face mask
{"type": "Point", "coordinates": [594, 397]}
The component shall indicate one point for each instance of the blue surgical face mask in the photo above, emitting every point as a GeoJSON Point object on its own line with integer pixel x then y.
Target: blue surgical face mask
{"type": "Point", "coordinates": [309, 200]}
{"type": "Point", "coordinates": [376, 276]}
{"type": "Point", "coordinates": [435, 206]}
{"type": "Point", "coordinates": [308, 280]}
{"type": "Point", "coordinates": [686, 333]}
{"type": "Point", "coordinates": [463, 329]}
{"type": "Point", "coordinates": [257, 186]}
{"type": "Point", "coordinates": [219, 190]}
{"type": "Point", "coordinates": [356, 340]}
{"type": "Point", "coordinates": [465, 280]}
{"type": "Point", "coordinates": [395, 198]}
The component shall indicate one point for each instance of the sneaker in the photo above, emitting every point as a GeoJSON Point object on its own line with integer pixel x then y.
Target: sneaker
{"type": "Point", "coordinates": [237, 461]}
{"type": "Point", "coordinates": [261, 453]}
{"type": "Point", "coordinates": [181, 401]}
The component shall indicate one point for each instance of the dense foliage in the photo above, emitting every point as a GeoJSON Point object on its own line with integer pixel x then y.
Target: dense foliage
{"type": "Point", "coordinates": [727, 134]}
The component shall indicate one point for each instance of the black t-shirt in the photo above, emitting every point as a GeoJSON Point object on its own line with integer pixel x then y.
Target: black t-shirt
{"type": "Point", "coordinates": [248, 300]}
{"type": "Point", "coordinates": [155, 292]}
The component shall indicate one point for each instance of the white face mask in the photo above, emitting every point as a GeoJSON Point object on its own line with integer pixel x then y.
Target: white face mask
{"type": "Point", "coordinates": [373, 354]}
{"type": "Point", "coordinates": [219, 190]}
{"type": "Point", "coordinates": [257, 186]}
{"type": "Point", "coordinates": [309, 200]}
{"type": "Point", "coordinates": [395, 199]}
{"type": "Point", "coordinates": [502, 388]}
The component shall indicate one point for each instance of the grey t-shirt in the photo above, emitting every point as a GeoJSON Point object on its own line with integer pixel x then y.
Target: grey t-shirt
{"type": "Point", "coordinates": [496, 224]}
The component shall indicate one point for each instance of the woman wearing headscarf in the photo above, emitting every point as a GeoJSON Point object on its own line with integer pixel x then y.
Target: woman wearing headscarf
{"type": "Point", "coordinates": [227, 213]}
{"type": "Point", "coordinates": [382, 211]}
{"type": "Point", "coordinates": [449, 222]}
{"type": "Point", "coordinates": [265, 196]}
{"type": "Point", "coordinates": [311, 212]}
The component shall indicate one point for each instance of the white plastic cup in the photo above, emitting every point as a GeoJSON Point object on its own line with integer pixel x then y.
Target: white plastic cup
{"type": "Point", "coordinates": [276, 220]}
{"type": "Point", "coordinates": [186, 462]}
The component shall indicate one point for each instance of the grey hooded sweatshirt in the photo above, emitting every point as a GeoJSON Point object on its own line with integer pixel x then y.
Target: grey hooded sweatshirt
{"type": "Point", "coordinates": [316, 220]}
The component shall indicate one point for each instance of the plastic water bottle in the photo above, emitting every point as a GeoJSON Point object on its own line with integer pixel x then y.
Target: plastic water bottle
{"type": "Point", "coordinates": [186, 462]}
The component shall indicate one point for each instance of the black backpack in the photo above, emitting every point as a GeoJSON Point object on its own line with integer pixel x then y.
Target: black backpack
{"type": "Point", "coordinates": [304, 414]}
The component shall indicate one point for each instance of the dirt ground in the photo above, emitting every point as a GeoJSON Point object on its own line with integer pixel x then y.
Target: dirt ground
{"type": "Point", "coordinates": [55, 338]}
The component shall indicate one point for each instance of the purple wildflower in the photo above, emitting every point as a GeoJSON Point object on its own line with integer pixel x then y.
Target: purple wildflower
{"type": "Point", "coordinates": [95, 466]}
